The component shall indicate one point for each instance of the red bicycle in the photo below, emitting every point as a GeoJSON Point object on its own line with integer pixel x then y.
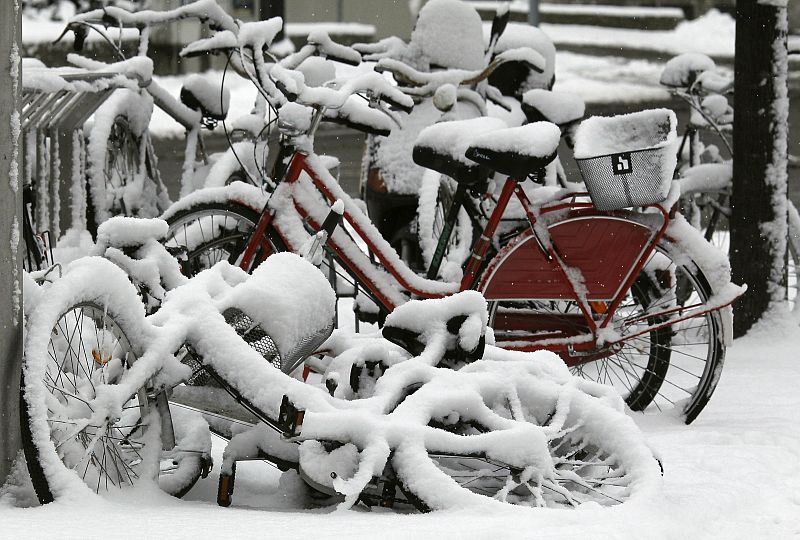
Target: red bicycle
{"type": "Point", "coordinates": [631, 297]}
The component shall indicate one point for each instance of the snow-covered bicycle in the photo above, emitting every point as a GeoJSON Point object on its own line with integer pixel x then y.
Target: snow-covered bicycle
{"type": "Point", "coordinates": [615, 318]}
{"type": "Point", "coordinates": [117, 157]}
{"type": "Point", "coordinates": [706, 178]}
{"type": "Point", "coordinates": [387, 427]}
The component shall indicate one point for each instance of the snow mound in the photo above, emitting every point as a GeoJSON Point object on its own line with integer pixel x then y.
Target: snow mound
{"type": "Point", "coordinates": [682, 70]}
{"type": "Point", "coordinates": [599, 135]}
{"type": "Point", "coordinates": [448, 34]}
{"type": "Point", "coordinates": [453, 138]}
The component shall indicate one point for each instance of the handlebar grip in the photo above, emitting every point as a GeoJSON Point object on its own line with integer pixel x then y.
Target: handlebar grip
{"type": "Point", "coordinates": [80, 39]}
{"type": "Point", "coordinates": [343, 60]}
{"type": "Point", "coordinates": [291, 96]}
{"type": "Point", "coordinates": [405, 108]}
{"type": "Point", "coordinates": [358, 126]}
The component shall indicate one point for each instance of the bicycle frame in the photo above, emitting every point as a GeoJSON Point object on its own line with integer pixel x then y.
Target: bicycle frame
{"type": "Point", "coordinates": [557, 265]}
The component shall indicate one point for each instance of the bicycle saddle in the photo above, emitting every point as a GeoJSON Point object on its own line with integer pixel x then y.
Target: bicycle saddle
{"type": "Point", "coordinates": [517, 152]}
{"type": "Point", "coordinates": [441, 147]}
{"type": "Point", "coordinates": [560, 108]}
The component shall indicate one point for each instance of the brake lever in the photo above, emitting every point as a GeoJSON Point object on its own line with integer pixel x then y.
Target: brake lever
{"type": "Point", "coordinates": [375, 102]}
{"type": "Point", "coordinates": [81, 33]}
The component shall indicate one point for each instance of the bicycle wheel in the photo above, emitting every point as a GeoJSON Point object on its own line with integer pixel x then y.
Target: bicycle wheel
{"type": "Point", "coordinates": [213, 232]}
{"type": "Point", "coordinates": [586, 468]}
{"type": "Point", "coordinates": [71, 350]}
{"type": "Point", "coordinates": [122, 178]}
{"type": "Point", "coordinates": [674, 368]}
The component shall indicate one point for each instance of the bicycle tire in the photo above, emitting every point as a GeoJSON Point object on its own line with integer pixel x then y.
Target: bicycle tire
{"type": "Point", "coordinates": [588, 467]}
{"type": "Point", "coordinates": [55, 438]}
{"type": "Point", "coordinates": [214, 231]}
{"type": "Point", "coordinates": [679, 374]}
{"type": "Point", "coordinates": [124, 182]}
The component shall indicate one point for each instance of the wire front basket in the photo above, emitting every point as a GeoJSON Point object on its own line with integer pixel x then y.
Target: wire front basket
{"type": "Point", "coordinates": [258, 339]}
{"type": "Point", "coordinates": [639, 170]}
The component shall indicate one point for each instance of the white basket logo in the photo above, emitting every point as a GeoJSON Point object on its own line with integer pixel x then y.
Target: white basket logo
{"type": "Point", "coordinates": [621, 164]}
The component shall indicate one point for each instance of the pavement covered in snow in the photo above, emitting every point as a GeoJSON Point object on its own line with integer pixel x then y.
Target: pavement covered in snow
{"type": "Point", "coordinates": [732, 474]}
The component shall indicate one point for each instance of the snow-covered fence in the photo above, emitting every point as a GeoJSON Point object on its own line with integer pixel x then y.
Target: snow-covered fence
{"type": "Point", "coordinates": [10, 262]}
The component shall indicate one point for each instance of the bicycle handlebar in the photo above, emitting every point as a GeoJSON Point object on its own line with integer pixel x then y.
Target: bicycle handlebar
{"type": "Point", "coordinates": [207, 11]}
{"type": "Point", "coordinates": [290, 83]}
{"type": "Point", "coordinates": [425, 83]}
{"type": "Point", "coordinates": [333, 51]}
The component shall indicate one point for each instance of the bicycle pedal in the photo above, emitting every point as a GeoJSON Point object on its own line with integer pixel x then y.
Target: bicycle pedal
{"type": "Point", "coordinates": [225, 487]}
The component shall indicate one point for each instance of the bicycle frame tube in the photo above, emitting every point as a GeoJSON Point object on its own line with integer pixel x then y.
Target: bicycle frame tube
{"type": "Point", "coordinates": [586, 340]}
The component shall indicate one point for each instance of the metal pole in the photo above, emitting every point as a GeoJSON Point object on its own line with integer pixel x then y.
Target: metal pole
{"type": "Point", "coordinates": [10, 225]}
{"type": "Point", "coordinates": [533, 12]}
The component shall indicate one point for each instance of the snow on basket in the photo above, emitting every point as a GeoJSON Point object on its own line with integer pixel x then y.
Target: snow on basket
{"type": "Point", "coordinates": [627, 160]}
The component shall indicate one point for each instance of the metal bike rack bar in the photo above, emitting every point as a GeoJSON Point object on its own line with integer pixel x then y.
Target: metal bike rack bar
{"type": "Point", "coordinates": [52, 124]}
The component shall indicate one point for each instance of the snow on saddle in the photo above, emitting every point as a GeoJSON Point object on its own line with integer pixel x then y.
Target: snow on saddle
{"type": "Point", "coordinates": [442, 147]}
{"type": "Point", "coordinates": [516, 152]}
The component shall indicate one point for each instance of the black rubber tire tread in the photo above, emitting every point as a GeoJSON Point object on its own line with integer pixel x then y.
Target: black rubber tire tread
{"type": "Point", "coordinates": [657, 370]}
{"type": "Point", "coordinates": [96, 298]}
{"type": "Point", "coordinates": [231, 208]}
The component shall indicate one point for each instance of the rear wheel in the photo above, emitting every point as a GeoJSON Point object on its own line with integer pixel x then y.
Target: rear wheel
{"type": "Point", "coordinates": [586, 467]}
{"type": "Point", "coordinates": [126, 181]}
{"type": "Point", "coordinates": [583, 473]}
{"type": "Point", "coordinates": [669, 369]}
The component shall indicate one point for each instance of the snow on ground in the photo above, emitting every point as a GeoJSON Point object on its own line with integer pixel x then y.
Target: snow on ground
{"type": "Point", "coordinates": [713, 34]}
{"type": "Point", "coordinates": [732, 474]}
{"type": "Point", "coordinates": [608, 79]}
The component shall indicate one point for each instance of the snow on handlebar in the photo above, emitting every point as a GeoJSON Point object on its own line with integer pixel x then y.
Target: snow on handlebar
{"type": "Point", "coordinates": [139, 68]}
{"type": "Point", "coordinates": [207, 11]}
{"type": "Point", "coordinates": [426, 83]}
{"type": "Point", "coordinates": [292, 84]}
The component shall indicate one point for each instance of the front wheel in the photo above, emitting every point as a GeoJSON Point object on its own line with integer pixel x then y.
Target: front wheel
{"type": "Point", "coordinates": [82, 340]}
{"type": "Point", "coordinates": [670, 369]}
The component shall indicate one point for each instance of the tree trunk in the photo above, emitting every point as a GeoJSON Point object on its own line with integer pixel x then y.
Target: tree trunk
{"type": "Point", "coordinates": [758, 223]}
{"type": "Point", "coordinates": [10, 261]}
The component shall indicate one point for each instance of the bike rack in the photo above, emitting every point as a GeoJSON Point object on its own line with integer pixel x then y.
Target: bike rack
{"type": "Point", "coordinates": [54, 144]}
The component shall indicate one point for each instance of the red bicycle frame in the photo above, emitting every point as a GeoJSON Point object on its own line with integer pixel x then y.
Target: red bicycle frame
{"type": "Point", "coordinates": [586, 256]}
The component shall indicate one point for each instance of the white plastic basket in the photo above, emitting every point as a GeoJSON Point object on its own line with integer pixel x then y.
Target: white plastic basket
{"type": "Point", "coordinates": [627, 160]}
